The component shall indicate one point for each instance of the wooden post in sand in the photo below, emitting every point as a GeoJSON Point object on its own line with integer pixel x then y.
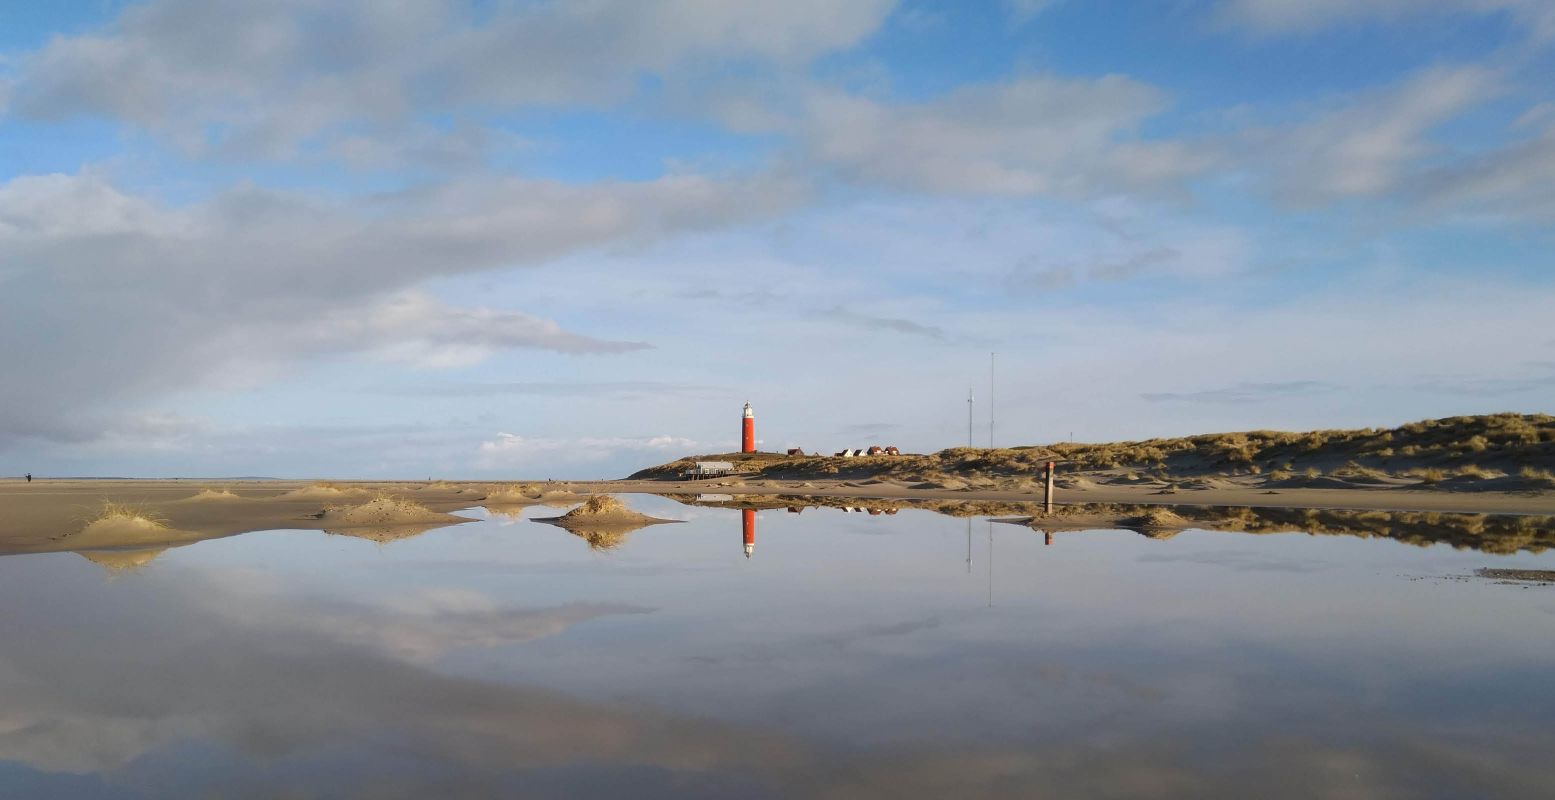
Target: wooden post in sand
{"type": "Point", "coordinates": [1047, 496]}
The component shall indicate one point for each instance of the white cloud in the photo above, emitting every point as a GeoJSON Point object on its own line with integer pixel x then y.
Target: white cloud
{"type": "Point", "coordinates": [1514, 182]}
{"type": "Point", "coordinates": [512, 450]}
{"type": "Point", "coordinates": [1378, 145]}
{"type": "Point", "coordinates": [1369, 146]}
{"type": "Point", "coordinates": [1038, 134]}
{"type": "Point", "coordinates": [108, 299]}
{"type": "Point", "coordinates": [262, 78]}
{"type": "Point", "coordinates": [413, 328]}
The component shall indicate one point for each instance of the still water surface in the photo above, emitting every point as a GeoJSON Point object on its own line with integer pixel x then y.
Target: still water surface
{"type": "Point", "coordinates": [913, 655]}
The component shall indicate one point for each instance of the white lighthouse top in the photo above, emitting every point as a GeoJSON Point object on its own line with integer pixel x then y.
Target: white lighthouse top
{"type": "Point", "coordinates": [748, 412]}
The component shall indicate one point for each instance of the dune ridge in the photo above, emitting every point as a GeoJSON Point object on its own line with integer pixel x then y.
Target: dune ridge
{"type": "Point", "coordinates": [1486, 453]}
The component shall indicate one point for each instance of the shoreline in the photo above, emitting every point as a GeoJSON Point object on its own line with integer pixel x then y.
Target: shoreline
{"type": "Point", "coordinates": [69, 515]}
{"type": "Point", "coordinates": [1403, 500]}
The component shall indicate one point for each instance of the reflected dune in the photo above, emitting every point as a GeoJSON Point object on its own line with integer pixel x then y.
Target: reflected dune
{"type": "Point", "coordinates": [119, 560]}
{"type": "Point", "coordinates": [383, 534]}
{"type": "Point", "coordinates": [1489, 533]}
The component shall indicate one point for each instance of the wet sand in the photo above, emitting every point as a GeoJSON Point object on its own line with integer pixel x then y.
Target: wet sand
{"type": "Point", "coordinates": [1359, 499]}
{"type": "Point", "coordinates": [58, 515]}
{"type": "Point", "coordinates": [69, 515]}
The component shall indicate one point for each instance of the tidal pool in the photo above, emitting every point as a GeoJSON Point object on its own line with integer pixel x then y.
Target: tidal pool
{"type": "Point", "coordinates": [850, 654]}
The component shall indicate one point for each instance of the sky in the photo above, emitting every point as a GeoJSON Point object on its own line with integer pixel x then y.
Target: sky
{"type": "Point", "coordinates": [505, 238]}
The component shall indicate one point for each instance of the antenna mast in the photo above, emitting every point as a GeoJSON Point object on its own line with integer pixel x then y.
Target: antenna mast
{"type": "Point", "coordinates": [969, 440]}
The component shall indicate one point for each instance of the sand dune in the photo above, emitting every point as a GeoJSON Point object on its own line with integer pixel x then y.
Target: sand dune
{"type": "Point", "coordinates": [518, 494]}
{"type": "Point", "coordinates": [211, 495]}
{"type": "Point", "coordinates": [1480, 454]}
{"type": "Point", "coordinates": [121, 530]}
{"type": "Point", "coordinates": [384, 510]}
{"type": "Point", "coordinates": [323, 492]}
{"type": "Point", "coordinates": [603, 521]}
{"type": "Point", "coordinates": [603, 511]}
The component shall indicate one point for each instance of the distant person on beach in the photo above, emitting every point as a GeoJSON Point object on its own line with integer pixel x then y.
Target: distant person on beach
{"type": "Point", "coordinates": [29, 477]}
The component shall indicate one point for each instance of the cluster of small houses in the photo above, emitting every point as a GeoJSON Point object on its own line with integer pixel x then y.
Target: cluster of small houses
{"type": "Point", "coordinates": [712, 469]}
{"type": "Point", "coordinates": [872, 450]}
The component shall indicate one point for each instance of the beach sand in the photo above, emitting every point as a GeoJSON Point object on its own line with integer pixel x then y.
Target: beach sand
{"type": "Point", "coordinates": [71, 515]}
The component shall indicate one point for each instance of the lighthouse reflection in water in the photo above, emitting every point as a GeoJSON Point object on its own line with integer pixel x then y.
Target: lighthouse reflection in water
{"type": "Point", "coordinates": [748, 522]}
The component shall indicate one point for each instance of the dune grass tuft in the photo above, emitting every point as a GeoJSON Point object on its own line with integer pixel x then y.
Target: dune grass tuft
{"type": "Point", "coordinates": [382, 500]}
{"type": "Point", "coordinates": [600, 505]}
{"type": "Point", "coordinates": [128, 512]}
{"type": "Point", "coordinates": [1542, 478]}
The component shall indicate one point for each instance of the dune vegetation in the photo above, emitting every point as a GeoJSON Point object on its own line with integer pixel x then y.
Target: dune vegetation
{"type": "Point", "coordinates": [1510, 452]}
{"type": "Point", "coordinates": [126, 514]}
{"type": "Point", "coordinates": [384, 509]}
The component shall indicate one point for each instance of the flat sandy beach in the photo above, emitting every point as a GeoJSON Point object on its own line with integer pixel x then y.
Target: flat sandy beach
{"type": "Point", "coordinates": [106, 515]}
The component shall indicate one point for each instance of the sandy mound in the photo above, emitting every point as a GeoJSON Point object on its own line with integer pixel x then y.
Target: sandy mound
{"type": "Point", "coordinates": [116, 530]}
{"type": "Point", "coordinates": [322, 491]}
{"type": "Point", "coordinates": [1071, 482]}
{"type": "Point", "coordinates": [117, 525]}
{"type": "Point", "coordinates": [603, 522]}
{"type": "Point", "coordinates": [450, 488]}
{"type": "Point", "coordinates": [602, 509]}
{"type": "Point", "coordinates": [205, 495]}
{"type": "Point", "coordinates": [600, 512]}
{"type": "Point", "coordinates": [122, 559]}
{"type": "Point", "coordinates": [384, 511]}
{"type": "Point", "coordinates": [1160, 523]}
{"type": "Point", "coordinates": [517, 494]}
{"type": "Point", "coordinates": [560, 499]}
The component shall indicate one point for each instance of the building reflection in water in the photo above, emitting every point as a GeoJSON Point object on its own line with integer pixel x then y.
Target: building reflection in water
{"type": "Point", "coordinates": [748, 519]}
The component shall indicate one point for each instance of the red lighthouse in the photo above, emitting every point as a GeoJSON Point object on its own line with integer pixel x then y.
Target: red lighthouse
{"type": "Point", "coordinates": [748, 431]}
{"type": "Point", "coordinates": [748, 516]}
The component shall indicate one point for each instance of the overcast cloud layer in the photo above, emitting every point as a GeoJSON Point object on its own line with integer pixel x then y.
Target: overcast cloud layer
{"type": "Point", "coordinates": [571, 238]}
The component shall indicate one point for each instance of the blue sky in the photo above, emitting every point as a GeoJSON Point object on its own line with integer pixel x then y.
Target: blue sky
{"type": "Point", "coordinates": [546, 239]}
